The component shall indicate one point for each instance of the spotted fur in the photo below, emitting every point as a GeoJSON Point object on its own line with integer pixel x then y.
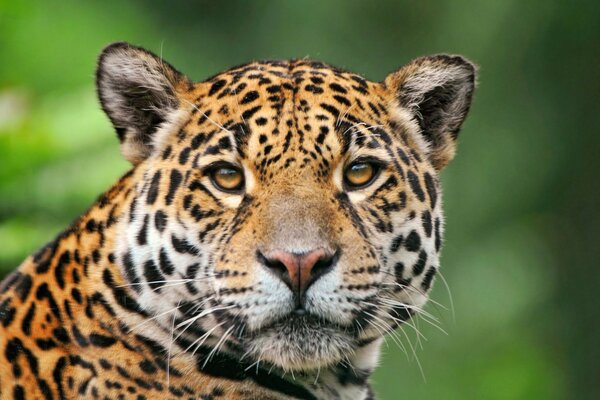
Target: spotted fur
{"type": "Point", "coordinates": [158, 291]}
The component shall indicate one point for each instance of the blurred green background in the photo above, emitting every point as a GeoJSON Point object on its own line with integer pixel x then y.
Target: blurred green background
{"type": "Point", "coordinates": [521, 198]}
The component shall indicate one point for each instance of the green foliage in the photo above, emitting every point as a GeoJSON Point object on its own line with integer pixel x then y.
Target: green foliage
{"type": "Point", "coordinates": [519, 198]}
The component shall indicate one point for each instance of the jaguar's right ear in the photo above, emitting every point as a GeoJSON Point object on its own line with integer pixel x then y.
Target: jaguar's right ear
{"type": "Point", "coordinates": [141, 94]}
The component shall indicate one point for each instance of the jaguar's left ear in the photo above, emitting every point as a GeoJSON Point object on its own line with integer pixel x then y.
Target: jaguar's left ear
{"type": "Point", "coordinates": [140, 93]}
{"type": "Point", "coordinates": [435, 92]}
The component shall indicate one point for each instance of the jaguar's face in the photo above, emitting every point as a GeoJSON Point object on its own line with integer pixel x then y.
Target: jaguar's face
{"type": "Point", "coordinates": [289, 209]}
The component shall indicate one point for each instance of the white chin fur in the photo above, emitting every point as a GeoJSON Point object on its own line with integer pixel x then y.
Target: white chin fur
{"type": "Point", "coordinates": [301, 349]}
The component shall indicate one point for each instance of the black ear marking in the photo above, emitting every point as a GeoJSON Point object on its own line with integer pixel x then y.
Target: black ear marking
{"type": "Point", "coordinates": [437, 92]}
{"type": "Point", "coordinates": [139, 92]}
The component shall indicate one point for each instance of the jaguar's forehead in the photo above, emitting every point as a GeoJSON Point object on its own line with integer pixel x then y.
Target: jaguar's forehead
{"type": "Point", "coordinates": [307, 83]}
{"type": "Point", "coordinates": [300, 105]}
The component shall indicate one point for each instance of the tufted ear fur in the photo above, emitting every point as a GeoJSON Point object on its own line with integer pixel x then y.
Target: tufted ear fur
{"type": "Point", "coordinates": [140, 93]}
{"type": "Point", "coordinates": [435, 92]}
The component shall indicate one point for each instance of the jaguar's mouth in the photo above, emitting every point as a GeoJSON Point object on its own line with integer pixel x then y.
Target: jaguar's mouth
{"type": "Point", "coordinates": [302, 320]}
{"type": "Point", "coordinates": [301, 342]}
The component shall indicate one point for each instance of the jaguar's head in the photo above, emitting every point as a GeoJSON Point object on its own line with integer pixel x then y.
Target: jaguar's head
{"type": "Point", "coordinates": [288, 209]}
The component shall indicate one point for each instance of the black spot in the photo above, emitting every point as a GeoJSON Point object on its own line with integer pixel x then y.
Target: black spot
{"type": "Point", "coordinates": [160, 220]}
{"type": "Point", "coordinates": [148, 367]}
{"type": "Point", "coordinates": [431, 190]}
{"type": "Point", "coordinates": [402, 200]}
{"type": "Point", "coordinates": [249, 97]}
{"type": "Point", "coordinates": [438, 236]}
{"type": "Point", "coordinates": [374, 109]}
{"type": "Point", "coordinates": [105, 364]}
{"type": "Point", "coordinates": [96, 255]}
{"type": "Point", "coordinates": [18, 392]}
{"type": "Point", "coordinates": [142, 237]}
{"type": "Point", "coordinates": [428, 279]}
{"type": "Point", "coordinates": [130, 272]}
{"type": "Point", "coordinates": [103, 341]}
{"type": "Point", "coordinates": [7, 312]}
{"type": "Point", "coordinates": [153, 191]}
{"type": "Point", "coordinates": [225, 143]}
{"type": "Point", "coordinates": [132, 208]}
{"type": "Point", "coordinates": [399, 271]}
{"type": "Point", "coordinates": [396, 243]}
{"type": "Point", "coordinates": [43, 292]}
{"type": "Point", "coordinates": [184, 155]}
{"type": "Point", "coordinates": [79, 337]}
{"type": "Point", "coordinates": [176, 179]}
{"type": "Point", "coordinates": [76, 295]}
{"type": "Point", "coordinates": [274, 89]}
{"type": "Point", "coordinates": [420, 264]}
{"type": "Point", "coordinates": [331, 109]}
{"type": "Point", "coordinates": [26, 323]}
{"type": "Point", "coordinates": [91, 225]}
{"type": "Point", "coordinates": [215, 87]}
{"type": "Point", "coordinates": [401, 313]}
{"type": "Point", "coordinates": [313, 89]}
{"type": "Point", "coordinates": [198, 140]}
{"type": "Point", "coordinates": [23, 286]}
{"type": "Point", "coordinates": [250, 112]}
{"type": "Point", "coordinates": [342, 100]}
{"type": "Point", "coordinates": [167, 152]}
{"type": "Point", "coordinates": [413, 241]}
{"type": "Point", "coordinates": [427, 225]}
{"type": "Point", "coordinates": [323, 131]}
{"type": "Point", "coordinates": [416, 186]}
{"type": "Point", "coordinates": [337, 88]}
{"type": "Point", "coordinates": [153, 276]}
{"type": "Point", "coordinates": [46, 344]}
{"type": "Point", "coordinates": [75, 271]}
{"type": "Point", "coordinates": [61, 334]}
{"type": "Point", "coordinates": [165, 263]}
{"type": "Point", "coordinates": [59, 270]}
{"type": "Point", "coordinates": [182, 245]}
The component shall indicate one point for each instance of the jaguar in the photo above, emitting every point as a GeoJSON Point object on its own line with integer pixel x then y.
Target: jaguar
{"type": "Point", "coordinates": [278, 221]}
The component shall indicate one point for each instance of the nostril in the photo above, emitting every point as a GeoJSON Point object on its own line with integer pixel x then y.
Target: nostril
{"type": "Point", "coordinates": [275, 266]}
{"type": "Point", "coordinates": [323, 265]}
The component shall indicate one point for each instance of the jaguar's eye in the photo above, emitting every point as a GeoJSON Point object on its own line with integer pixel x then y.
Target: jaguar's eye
{"type": "Point", "coordinates": [227, 178]}
{"type": "Point", "coordinates": [360, 174]}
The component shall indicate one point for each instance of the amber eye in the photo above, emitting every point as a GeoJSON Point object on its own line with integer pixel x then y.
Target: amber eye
{"type": "Point", "coordinates": [227, 178]}
{"type": "Point", "coordinates": [360, 174]}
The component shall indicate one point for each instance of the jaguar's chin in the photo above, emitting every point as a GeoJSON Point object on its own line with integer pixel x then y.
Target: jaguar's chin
{"type": "Point", "coordinates": [301, 343]}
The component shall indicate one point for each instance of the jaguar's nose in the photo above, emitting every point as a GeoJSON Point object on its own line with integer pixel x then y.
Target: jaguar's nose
{"type": "Point", "coordinates": [299, 270]}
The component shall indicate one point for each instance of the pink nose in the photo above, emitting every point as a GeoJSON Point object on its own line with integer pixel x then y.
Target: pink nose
{"type": "Point", "coordinates": [299, 271]}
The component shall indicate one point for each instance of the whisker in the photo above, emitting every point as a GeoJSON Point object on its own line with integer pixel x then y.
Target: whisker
{"type": "Point", "coordinates": [207, 117]}
{"type": "Point", "coordinates": [343, 116]}
{"type": "Point", "coordinates": [169, 349]}
{"type": "Point", "coordinates": [168, 282]}
{"type": "Point", "coordinates": [449, 294]}
{"type": "Point", "coordinates": [219, 343]}
{"type": "Point", "coordinates": [152, 318]}
{"type": "Point", "coordinates": [202, 339]}
{"type": "Point", "coordinates": [203, 314]}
